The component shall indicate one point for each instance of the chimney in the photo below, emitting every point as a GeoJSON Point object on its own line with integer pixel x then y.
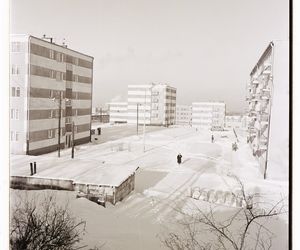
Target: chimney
{"type": "Point", "coordinates": [64, 43]}
{"type": "Point", "coordinates": [47, 38]}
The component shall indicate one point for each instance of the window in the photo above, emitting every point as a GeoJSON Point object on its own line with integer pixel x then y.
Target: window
{"type": "Point", "coordinates": [61, 131]}
{"type": "Point", "coordinates": [52, 74]}
{"type": "Point", "coordinates": [17, 136]}
{"type": "Point", "coordinates": [75, 129]}
{"type": "Point", "coordinates": [59, 57]}
{"type": "Point", "coordinates": [76, 61]}
{"type": "Point", "coordinates": [51, 113]}
{"type": "Point", "coordinates": [15, 69]}
{"type": "Point", "coordinates": [51, 54]}
{"type": "Point", "coordinates": [16, 114]}
{"type": "Point", "coordinates": [51, 93]}
{"type": "Point", "coordinates": [68, 119]}
{"type": "Point", "coordinates": [12, 113]}
{"type": "Point", "coordinates": [15, 47]}
{"type": "Point", "coordinates": [59, 76]}
{"type": "Point", "coordinates": [13, 91]}
{"type": "Point", "coordinates": [18, 92]}
{"type": "Point", "coordinates": [50, 133]}
{"type": "Point", "coordinates": [11, 135]}
{"type": "Point", "coordinates": [76, 112]}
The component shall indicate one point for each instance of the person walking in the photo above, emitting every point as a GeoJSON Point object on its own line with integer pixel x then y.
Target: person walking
{"type": "Point", "coordinates": [179, 156]}
{"type": "Point", "coordinates": [212, 138]}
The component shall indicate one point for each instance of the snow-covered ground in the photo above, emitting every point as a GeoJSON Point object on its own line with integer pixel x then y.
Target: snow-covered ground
{"type": "Point", "coordinates": [161, 183]}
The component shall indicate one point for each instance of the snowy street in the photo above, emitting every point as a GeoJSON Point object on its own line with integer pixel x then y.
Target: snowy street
{"type": "Point", "coordinates": [160, 182]}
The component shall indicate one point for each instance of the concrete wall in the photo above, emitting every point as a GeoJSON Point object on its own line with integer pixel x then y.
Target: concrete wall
{"type": "Point", "coordinates": [111, 194]}
{"type": "Point", "coordinates": [125, 188]}
{"type": "Point", "coordinates": [30, 182]}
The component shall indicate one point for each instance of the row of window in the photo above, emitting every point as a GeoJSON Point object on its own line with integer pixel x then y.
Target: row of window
{"type": "Point", "coordinates": [15, 91]}
{"type": "Point", "coordinates": [14, 135]}
{"type": "Point", "coordinates": [58, 56]}
{"type": "Point", "coordinates": [16, 47]}
{"type": "Point", "coordinates": [14, 114]}
{"type": "Point", "coordinates": [180, 113]}
{"type": "Point", "coordinates": [51, 135]}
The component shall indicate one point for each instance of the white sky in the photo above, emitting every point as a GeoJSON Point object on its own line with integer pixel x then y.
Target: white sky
{"type": "Point", "coordinates": [206, 49]}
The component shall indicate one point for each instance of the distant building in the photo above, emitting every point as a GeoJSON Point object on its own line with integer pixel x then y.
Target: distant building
{"type": "Point", "coordinates": [153, 103]}
{"type": "Point", "coordinates": [100, 115]}
{"type": "Point", "coordinates": [118, 112]}
{"type": "Point", "coordinates": [208, 115]}
{"type": "Point", "coordinates": [268, 100]}
{"type": "Point", "coordinates": [43, 75]}
{"type": "Point", "coordinates": [184, 115]}
{"type": "Point", "coordinates": [235, 121]}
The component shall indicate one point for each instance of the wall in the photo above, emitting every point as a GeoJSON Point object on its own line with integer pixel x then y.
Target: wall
{"type": "Point", "coordinates": [24, 182]}
{"type": "Point", "coordinates": [278, 152]}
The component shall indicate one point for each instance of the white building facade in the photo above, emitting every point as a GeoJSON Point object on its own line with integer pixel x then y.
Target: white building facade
{"type": "Point", "coordinates": [268, 100]}
{"type": "Point", "coordinates": [208, 115]}
{"type": "Point", "coordinates": [118, 112]}
{"type": "Point", "coordinates": [184, 115]}
{"type": "Point", "coordinates": [46, 78]}
{"type": "Point", "coordinates": [235, 121]}
{"type": "Point", "coordinates": [153, 103]}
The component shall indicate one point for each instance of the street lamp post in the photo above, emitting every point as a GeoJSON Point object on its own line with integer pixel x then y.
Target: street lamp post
{"type": "Point", "coordinates": [144, 128]}
{"type": "Point", "coordinates": [73, 138]}
{"type": "Point", "coordinates": [137, 119]}
{"type": "Point", "coordinates": [59, 124]}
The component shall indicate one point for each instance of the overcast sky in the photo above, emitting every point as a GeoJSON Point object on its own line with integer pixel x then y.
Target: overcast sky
{"type": "Point", "coordinates": [206, 49]}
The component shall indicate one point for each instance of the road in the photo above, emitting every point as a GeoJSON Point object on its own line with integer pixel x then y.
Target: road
{"type": "Point", "coordinates": [118, 132]}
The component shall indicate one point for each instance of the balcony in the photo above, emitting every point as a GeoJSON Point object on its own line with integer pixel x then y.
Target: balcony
{"type": "Point", "coordinates": [267, 66]}
{"type": "Point", "coordinates": [267, 72]}
{"type": "Point", "coordinates": [264, 119]}
{"type": "Point", "coordinates": [68, 102]}
{"type": "Point", "coordinates": [255, 82]}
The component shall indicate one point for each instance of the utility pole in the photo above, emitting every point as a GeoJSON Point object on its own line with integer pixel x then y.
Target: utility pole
{"type": "Point", "coordinates": [73, 138]}
{"type": "Point", "coordinates": [59, 123]}
{"type": "Point", "coordinates": [137, 119]}
{"type": "Point", "coordinates": [144, 128]}
{"type": "Point", "coordinates": [100, 116]}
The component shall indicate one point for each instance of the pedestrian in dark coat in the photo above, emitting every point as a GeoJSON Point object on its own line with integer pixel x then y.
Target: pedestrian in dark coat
{"type": "Point", "coordinates": [179, 156]}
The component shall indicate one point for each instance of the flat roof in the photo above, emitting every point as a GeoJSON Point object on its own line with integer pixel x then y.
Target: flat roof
{"type": "Point", "coordinates": [58, 45]}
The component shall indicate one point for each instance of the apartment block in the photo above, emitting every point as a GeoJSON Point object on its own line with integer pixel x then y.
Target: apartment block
{"type": "Point", "coordinates": [118, 112]}
{"type": "Point", "coordinates": [235, 121]}
{"type": "Point", "coordinates": [154, 104]}
{"type": "Point", "coordinates": [51, 87]}
{"type": "Point", "coordinates": [268, 100]}
{"type": "Point", "coordinates": [184, 115]}
{"type": "Point", "coordinates": [100, 115]}
{"type": "Point", "coordinates": [208, 115]}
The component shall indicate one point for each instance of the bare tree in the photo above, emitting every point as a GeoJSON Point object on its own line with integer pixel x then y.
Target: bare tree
{"type": "Point", "coordinates": [42, 224]}
{"type": "Point", "coordinates": [244, 228]}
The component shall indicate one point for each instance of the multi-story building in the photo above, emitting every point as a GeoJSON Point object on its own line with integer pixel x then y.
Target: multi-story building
{"type": "Point", "coordinates": [117, 112]}
{"type": "Point", "coordinates": [235, 121]}
{"type": "Point", "coordinates": [100, 115]}
{"type": "Point", "coordinates": [184, 115]}
{"type": "Point", "coordinates": [208, 115]}
{"type": "Point", "coordinates": [268, 100]}
{"type": "Point", "coordinates": [154, 104]}
{"type": "Point", "coordinates": [51, 87]}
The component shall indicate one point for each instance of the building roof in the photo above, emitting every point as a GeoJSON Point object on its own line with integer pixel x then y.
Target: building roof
{"type": "Point", "coordinates": [58, 45]}
{"type": "Point", "coordinates": [266, 52]}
